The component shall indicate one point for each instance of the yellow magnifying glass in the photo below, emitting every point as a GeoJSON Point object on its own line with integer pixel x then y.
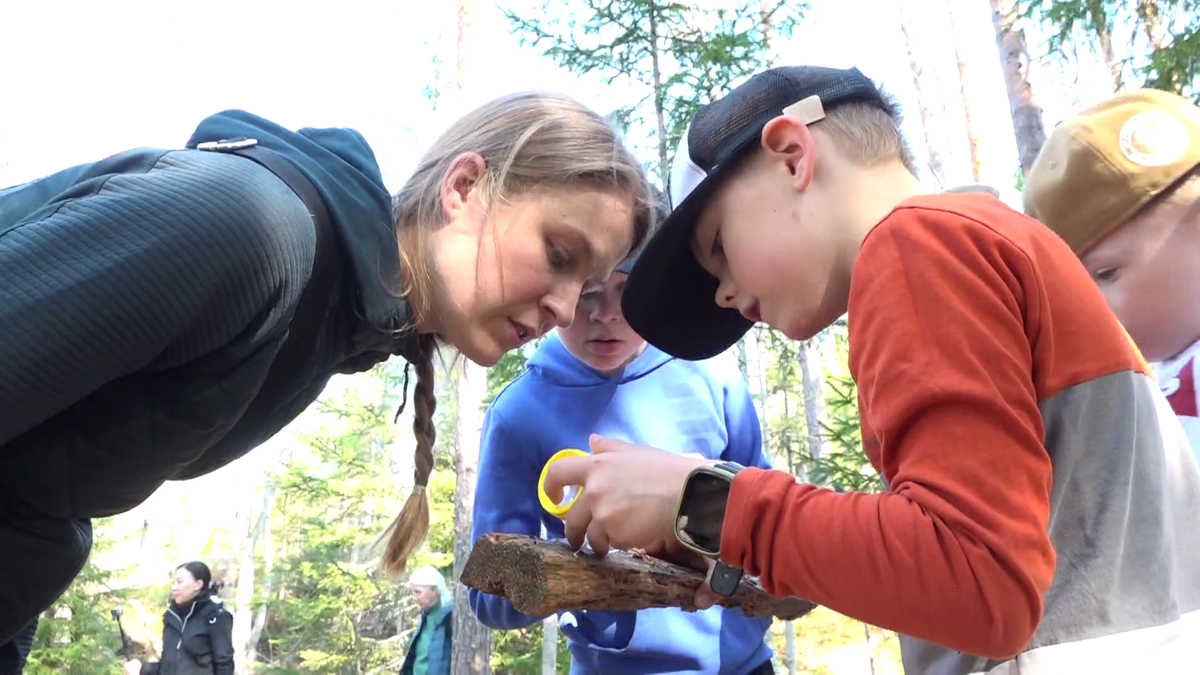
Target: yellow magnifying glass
{"type": "Point", "coordinates": [569, 495]}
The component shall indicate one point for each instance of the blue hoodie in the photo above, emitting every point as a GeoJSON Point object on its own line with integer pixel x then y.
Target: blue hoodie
{"type": "Point", "coordinates": [659, 401]}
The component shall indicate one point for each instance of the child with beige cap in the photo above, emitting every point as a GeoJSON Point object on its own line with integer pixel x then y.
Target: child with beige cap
{"type": "Point", "coordinates": [1120, 183]}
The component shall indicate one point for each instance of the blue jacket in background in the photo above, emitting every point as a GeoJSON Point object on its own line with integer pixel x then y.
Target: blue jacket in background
{"type": "Point", "coordinates": [441, 622]}
{"type": "Point", "coordinates": [659, 401]}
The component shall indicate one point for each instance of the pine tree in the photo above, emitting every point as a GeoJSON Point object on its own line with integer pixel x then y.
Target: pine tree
{"type": "Point", "coordinates": [1163, 38]}
{"type": "Point", "coordinates": [670, 56]}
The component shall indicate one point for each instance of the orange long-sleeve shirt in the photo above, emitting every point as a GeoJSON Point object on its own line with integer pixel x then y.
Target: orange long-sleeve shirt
{"type": "Point", "coordinates": [964, 317]}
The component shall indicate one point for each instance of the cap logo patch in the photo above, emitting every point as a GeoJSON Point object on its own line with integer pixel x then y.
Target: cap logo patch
{"type": "Point", "coordinates": [809, 110]}
{"type": "Point", "coordinates": [1153, 139]}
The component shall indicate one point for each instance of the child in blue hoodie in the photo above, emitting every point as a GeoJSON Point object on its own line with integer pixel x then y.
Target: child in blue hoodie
{"type": "Point", "coordinates": [598, 376]}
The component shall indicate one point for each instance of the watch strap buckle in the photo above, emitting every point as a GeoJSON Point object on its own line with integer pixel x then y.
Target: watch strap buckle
{"type": "Point", "coordinates": [725, 579]}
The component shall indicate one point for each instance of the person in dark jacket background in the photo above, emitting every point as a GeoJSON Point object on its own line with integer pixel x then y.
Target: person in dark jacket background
{"type": "Point", "coordinates": [430, 649]}
{"type": "Point", "coordinates": [197, 629]}
{"type": "Point", "coordinates": [157, 319]}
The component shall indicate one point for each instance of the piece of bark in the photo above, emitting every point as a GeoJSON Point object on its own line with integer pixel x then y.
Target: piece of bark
{"type": "Point", "coordinates": [542, 577]}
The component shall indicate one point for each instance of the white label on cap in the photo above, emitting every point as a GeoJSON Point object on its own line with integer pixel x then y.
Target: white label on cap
{"type": "Point", "coordinates": [1153, 139]}
{"type": "Point", "coordinates": [685, 175]}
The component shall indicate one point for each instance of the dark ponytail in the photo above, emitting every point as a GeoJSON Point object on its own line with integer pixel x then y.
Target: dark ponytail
{"type": "Point", "coordinates": [199, 572]}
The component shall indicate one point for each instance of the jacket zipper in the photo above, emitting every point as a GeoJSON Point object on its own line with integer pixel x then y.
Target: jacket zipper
{"type": "Point", "coordinates": [183, 623]}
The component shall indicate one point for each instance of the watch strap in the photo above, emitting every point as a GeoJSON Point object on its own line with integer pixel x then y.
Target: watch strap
{"type": "Point", "coordinates": [725, 579]}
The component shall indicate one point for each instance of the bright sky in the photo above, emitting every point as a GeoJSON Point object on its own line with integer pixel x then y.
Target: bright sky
{"type": "Point", "coordinates": [86, 79]}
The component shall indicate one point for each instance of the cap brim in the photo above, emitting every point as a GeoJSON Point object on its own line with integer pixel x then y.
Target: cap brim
{"type": "Point", "coordinates": [669, 299]}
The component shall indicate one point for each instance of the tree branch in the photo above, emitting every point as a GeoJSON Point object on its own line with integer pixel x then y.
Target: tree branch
{"type": "Point", "coordinates": [544, 577]}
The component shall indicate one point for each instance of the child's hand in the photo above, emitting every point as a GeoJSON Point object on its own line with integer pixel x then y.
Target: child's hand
{"type": "Point", "coordinates": [630, 494]}
{"type": "Point", "coordinates": [672, 551]}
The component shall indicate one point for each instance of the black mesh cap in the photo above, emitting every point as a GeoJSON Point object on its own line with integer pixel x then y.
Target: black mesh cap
{"type": "Point", "coordinates": [660, 210]}
{"type": "Point", "coordinates": [669, 299]}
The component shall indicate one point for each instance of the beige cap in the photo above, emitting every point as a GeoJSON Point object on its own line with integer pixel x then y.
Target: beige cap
{"type": "Point", "coordinates": [1100, 167]}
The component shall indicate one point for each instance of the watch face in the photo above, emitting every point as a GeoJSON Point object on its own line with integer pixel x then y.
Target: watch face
{"type": "Point", "coordinates": [702, 511]}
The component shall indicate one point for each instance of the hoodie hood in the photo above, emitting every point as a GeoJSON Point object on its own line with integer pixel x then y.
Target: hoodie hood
{"type": "Point", "coordinates": [553, 363]}
{"type": "Point", "coordinates": [343, 168]}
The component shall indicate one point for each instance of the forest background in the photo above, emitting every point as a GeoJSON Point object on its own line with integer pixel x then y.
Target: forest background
{"type": "Point", "coordinates": [289, 528]}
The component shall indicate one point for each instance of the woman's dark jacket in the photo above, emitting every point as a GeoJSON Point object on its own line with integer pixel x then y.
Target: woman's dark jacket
{"type": "Point", "coordinates": [197, 640]}
{"type": "Point", "coordinates": [144, 298]}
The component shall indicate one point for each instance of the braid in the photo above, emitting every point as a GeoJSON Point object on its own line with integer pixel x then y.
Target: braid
{"type": "Point", "coordinates": [424, 405]}
{"type": "Point", "coordinates": [410, 527]}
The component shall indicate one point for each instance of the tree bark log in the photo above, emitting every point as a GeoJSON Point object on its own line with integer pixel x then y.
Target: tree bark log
{"type": "Point", "coordinates": [543, 577]}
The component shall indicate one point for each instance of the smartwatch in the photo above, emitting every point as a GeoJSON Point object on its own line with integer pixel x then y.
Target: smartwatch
{"type": "Point", "coordinates": [700, 518]}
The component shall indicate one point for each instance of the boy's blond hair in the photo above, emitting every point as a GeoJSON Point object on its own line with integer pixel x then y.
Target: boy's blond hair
{"type": "Point", "coordinates": [867, 133]}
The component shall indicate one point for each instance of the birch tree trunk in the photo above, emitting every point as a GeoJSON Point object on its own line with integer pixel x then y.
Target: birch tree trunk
{"type": "Point", "coordinates": [1028, 125]}
{"type": "Point", "coordinates": [472, 643]}
{"type": "Point", "coordinates": [1102, 29]}
{"type": "Point", "coordinates": [812, 382]}
{"type": "Point", "coordinates": [966, 77]}
{"type": "Point", "coordinates": [764, 12]}
{"type": "Point", "coordinates": [243, 619]}
{"type": "Point", "coordinates": [926, 84]}
{"type": "Point", "coordinates": [660, 112]}
{"type": "Point", "coordinates": [466, 14]}
{"type": "Point", "coordinates": [260, 615]}
{"type": "Point", "coordinates": [1151, 20]}
{"type": "Point", "coordinates": [870, 652]}
{"type": "Point", "coordinates": [550, 645]}
{"type": "Point", "coordinates": [549, 637]}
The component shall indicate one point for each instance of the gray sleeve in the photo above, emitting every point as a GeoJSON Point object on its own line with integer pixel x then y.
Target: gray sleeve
{"type": "Point", "coordinates": [144, 271]}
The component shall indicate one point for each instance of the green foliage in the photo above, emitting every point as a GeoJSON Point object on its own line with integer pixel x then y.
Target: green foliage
{"type": "Point", "coordinates": [1170, 60]}
{"type": "Point", "coordinates": [77, 634]}
{"type": "Point", "coordinates": [844, 467]}
{"type": "Point", "coordinates": [332, 610]}
{"type": "Point", "coordinates": [511, 365]}
{"type": "Point", "coordinates": [782, 411]}
{"type": "Point", "coordinates": [1176, 67]}
{"type": "Point", "coordinates": [829, 643]}
{"type": "Point", "coordinates": [439, 545]}
{"type": "Point", "coordinates": [519, 652]}
{"type": "Point", "coordinates": [672, 56]}
{"type": "Point", "coordinates": [506, 370]}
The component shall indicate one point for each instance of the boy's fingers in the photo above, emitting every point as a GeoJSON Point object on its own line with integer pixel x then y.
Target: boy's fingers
{"type": "Point", "coordinates": [705, 596]}
{"type": "Point", "coordinates": [601, 445]}
{"type": "Point", "coordinates": [658, 549]}
{"type": "Point", "coordinates": [597, 538]}
{"type": "Point", "coordinates": [578, 519]}
{"type": "Point", "coordinates": [565, 472]}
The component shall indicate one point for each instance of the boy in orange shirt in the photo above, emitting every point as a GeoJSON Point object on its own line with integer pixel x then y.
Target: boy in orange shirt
{"type": "Point", "coordinates": [1043, 510]}
{"type": "Point", "coordinates": [1120, 183]}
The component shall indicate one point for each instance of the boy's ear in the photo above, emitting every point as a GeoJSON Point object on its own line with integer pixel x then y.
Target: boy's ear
{"type": "Point", "coordinates": [788, 140]}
